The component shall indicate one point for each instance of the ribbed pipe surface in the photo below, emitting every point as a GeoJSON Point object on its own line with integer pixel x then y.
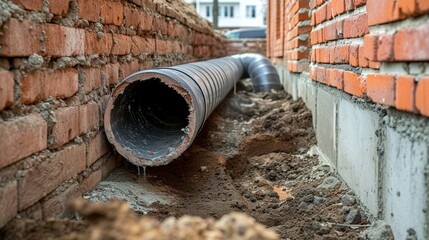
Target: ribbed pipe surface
{"type": "Point", "coordinates": [153, 116]}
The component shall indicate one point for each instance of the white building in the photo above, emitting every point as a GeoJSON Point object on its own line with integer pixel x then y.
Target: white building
{"type": "Point", "coordinates": [234, 13]}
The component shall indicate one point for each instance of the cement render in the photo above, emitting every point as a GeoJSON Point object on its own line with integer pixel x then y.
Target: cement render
{"type": "Point", "coordinates": [380, 153]}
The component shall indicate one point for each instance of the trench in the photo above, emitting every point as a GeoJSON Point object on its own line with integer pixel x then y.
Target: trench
{"type": "Point", "coordinates": [255, 155]}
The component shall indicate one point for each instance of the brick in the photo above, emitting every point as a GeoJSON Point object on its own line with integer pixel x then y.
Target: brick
{"type": "Point", "coordinates": [59, 7]}
{"type": "Point", "coordinates": [22, 137]}
{"type": "Point", "coordinates": [121, 44]}
{"type": "Point", "coordinates": [91, 181]}
{"type": "Point", "coordinates": [6, 89]}
{"type": "Point", "coordinates": [370, 47]}
{"type": "Point", "coordinates": [356, 26]}
{"type": "Point", "coordinates": [422, 96]}
{"type": "Point", "coordinates": [354, 84]}
{"type": "Point", "coordinates": [380, 11]}
{"type": "Point", "coordinates": [35, 5]}
{"type": "Point", "coordinates": [405, 7]}
{"type": "Point", "coordinates": [20, 39]}
{"type": "Point", "coordinates": [67, 126]}
{"type": "Point", "coordinates": [95, 45]}
{"type": "Point", "coordinates": [342, 54]}
{"type": "Point", "coordinates": [312, 4]}
{"type": "Point", "coordinates": [340, 29]}
{"type": "Point", "coordinates": [89, 117]}
{"type": "Point", "coordinates": [56, 207]}
{"type": "Point", "coordinates": [112, 12]}
{"type": "Point", "coordinates": [321, 14]}
{"type": "Point", "coordinates": [48, 175]}
{"type": "Point", "coordinates": [132, 17]}
{"type": "Point", "coordinates": [321, 75]}
{"type": "Point", "coordinates": [63, 41]}
{"type": "Point", "coordinates": [329, 11]}
{"type": "Point", "coordinates": [92, 79]}
{"type": "Point", "coordinates": [423, 6]}
{"type": "Point", "coordinates": [313, 19]}
{"type": "Point", "coordinates": [109, 165]}
{"type": "Point", "coordinates": [338, 7]}
{"type": "Point", "coordinates": [8, 202]}
{"type": "Point", "coordinates": [40, 85]}
{"type": "Point", "coordinates": [97, 147]}
{"type": "Point", "coordinates": [110, 73]}
{"type": "Point", "coordinates": [335, 78]}
{"type": "Point", "coordinates": [381, 88]}
{"type": "Point", "coordinates": [127, 69]}
{"type": "Point", "coordinates": [385, 48]}
{"type": "Point", "coordinates": [410, 42]}
{"type": "Point", "coordinates": [142, 45]}
{"type": "Point", "coordinates": [358, 3]}
{"type": "Point", "coordinates": [395, 10]}
{"type": "Point", "coordinates": [330, 32]}
{"type": "Point", "coordinates": [354, 55]}
{"type": "Point", "coordinates": [89, 9]}
{"type": "Point", "coordinates": [324, 55]}
{"type": "Point", "coordinates": [405, 87]}
{"type": "Point", "coordinates": [363, 62]}
{"type": "Point", "coordinates": [331, 54]}
{"type": "Point", "coordinates": [349, 5]}
{"type": "Point", "coordinates": [374, 65]}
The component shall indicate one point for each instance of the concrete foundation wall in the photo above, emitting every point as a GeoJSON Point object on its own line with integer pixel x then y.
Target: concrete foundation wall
{"type": "Point", "coordinates": [381, 153]}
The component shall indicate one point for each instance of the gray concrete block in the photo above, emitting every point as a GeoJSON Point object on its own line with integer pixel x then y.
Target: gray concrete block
{"type": "Point", "coordinates": [404, 192]}
{"type": "Point", "coordinates": [326, 124]}
{"type": "Point", "coordinates": [302, 88]}
{"type": "Point", "coordinates": [312, 99]}
{"type": "Point", "coordinates": [357, 161]}
{"type": "Point", "coordinates": [290, 84]}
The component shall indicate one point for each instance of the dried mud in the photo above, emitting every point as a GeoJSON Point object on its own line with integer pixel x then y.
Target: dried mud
{"type": "Point", "coordinates": [256, 156]}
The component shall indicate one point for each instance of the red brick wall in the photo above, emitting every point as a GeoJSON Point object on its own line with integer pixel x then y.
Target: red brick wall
{"type": "Point", "coordinates": [373, 49]}
{"type": "Point", "coordinates": [237, 46]}
{"type": "Point", "coordinates": [292, 43]}
{"type": "Point", "coordinates": [59, 61]}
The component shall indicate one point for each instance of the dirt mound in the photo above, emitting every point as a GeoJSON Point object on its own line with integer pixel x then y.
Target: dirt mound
{"type": "Point", "coordinates": [256, 156]}
{"type": "Point", "coordinates": [115, 220]}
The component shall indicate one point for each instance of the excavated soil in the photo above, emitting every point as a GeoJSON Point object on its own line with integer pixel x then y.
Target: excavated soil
{"type": "Point", "coordinates": [255, 155]}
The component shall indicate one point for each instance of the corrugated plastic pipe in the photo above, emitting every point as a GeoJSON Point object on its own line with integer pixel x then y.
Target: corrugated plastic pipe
{"type": "Point", "coordinates": [153, 116]}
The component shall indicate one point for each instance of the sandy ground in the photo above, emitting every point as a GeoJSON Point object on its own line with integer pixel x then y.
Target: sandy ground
{"type": "Point", "coordinates": [255, 156]}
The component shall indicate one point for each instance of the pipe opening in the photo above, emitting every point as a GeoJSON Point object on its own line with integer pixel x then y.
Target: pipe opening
{"type": "Point", "coordinates": [150, 118]}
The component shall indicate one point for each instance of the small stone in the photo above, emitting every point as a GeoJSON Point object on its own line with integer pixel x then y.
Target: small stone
{"type": "Point", "coordinates": [348, 200]}
{"type": "Point", "coordinates": [272, 176]}
{"type": "Point", "coordinates": [320, 228]}
{"type": "Point", "coordinates": [203, 168]}
{"type": "Point", "coordinates": [378, 230]}
{"type": "Point", "coordinates": [273, 205]}
{"type": "Point", "coordinates": [354, 217]}
{"type": "Point", "coordinates": [411, 234]}
{"type": "Point", "coordinates": [346, 209]}
{"type": "Point", "coordinates": [35, 61]}
{"type": "Point", "coordinates": [329, 182]}
{"type": "Point", "coordinates": [318, 200]}
{"type": "Point", "coordinates": [308, 198]}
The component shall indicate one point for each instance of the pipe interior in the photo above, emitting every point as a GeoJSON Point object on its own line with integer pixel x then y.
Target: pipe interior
{"type": "Point", "coordinates": [149, 118]}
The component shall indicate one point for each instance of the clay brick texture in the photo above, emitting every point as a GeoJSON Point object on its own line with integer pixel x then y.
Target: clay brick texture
{"type": "Point", "coordinates": [373, 49]}
{"type": "Point", "coordinates": [289, 33]}
{"type": "Point", "coordinates": [56, 73]}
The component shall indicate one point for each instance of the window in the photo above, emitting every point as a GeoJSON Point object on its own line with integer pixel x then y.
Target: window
{"type": "Point", "coordinates": [226, 11]}
{"type": "Point", "coordinates": [251, 11]}
{"type": "Point", "coordinates": [208, 11]}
